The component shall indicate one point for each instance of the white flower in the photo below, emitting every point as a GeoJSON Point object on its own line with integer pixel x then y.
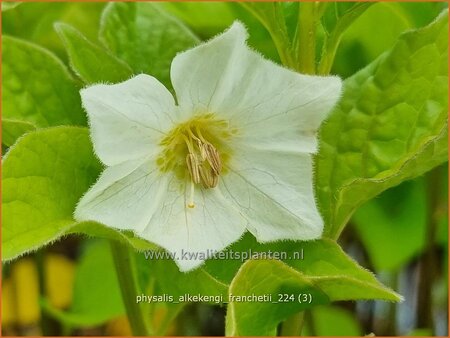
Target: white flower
{"type": "Point", "coordinates": [233, 154]}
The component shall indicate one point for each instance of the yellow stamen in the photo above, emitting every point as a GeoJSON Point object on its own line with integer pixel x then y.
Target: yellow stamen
{"type": "Point", "coordinates": [193, 167]}
{"type": "Point", "coordinates": [212, 155]}
{"type": "Point", "coordinates": [197, 148]}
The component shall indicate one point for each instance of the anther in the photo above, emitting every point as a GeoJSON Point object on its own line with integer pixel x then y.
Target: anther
{"type": "Point", "coordinates": [203, 151]}
{"type": "Point", "coordinates": [213, 157]}
{"type": "Point", "coordinates": [209, 177]}
{"type": "Point", "coordinates": [193, 167]}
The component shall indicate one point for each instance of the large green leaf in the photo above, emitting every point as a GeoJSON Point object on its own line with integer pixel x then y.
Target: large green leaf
{"type": "Point", "coordinates": [273, 279]}
{"type": "Point", "coordinates": [13, 129]}
{"type": "Point", "coordinates": [324, 274]}
{"type": "Point", "coordinates": [44, 175]}
{"type": "Point", "coordinates": [96, 292]}
{"type": "Point", "coordinates": [390, 125]}
{"type": "Point", "coordinates": [144, 36]}
{"type": "Point", "coordinates": [37, 90]}
{"type": "Point", "coordinates": [33, 21]}
{"type": "Point", "coordinates": [89, 61]}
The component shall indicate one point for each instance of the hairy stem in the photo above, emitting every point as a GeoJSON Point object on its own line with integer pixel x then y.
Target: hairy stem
{"type": "Point", "coordinates": [127, 277]}
{"type": "Point", "coordinates": [305, 44]}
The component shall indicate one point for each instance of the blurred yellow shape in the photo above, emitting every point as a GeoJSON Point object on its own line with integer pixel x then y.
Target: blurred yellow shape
{"type": "Point", "coordinates": [8, 306]}
{"type": "Point", "coordinates": [159, 316]}
{"type": "Point", "coordinates": [119, 326]}
{"type": "Point", "coordinates": [25, 285]}
{"type": "Point", "coordinates": [59, 278]}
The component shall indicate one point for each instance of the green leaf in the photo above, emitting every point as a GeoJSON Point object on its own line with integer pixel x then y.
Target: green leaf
{"type": "Point", "coordinates": [33, 21]}
{"type": "Point", "coordinates": [96, 293]}
{"type": "Point", "coordinates": [398, 219]}
{"type": "Point", "coordinates": [388, 19]}
{"type": "Point", "coordinates": [44, 175]}
{"type": "Point", "coordinates": [339, 13]}
{"type": "Point", "coordinates": [271, 16]}
{"type": "Point", "coordinates": [360, 46]}
{"type": "Point", "coordinates": [336, 19]}
{"type": "Point", "coordinates": [145, 37]}
{"type": "Point", "coordinates": [390, 125]}
{"type": "Point", "coordinates": [422, 13]}
{"type": "Point", "coordinates": [13, 129]}
{"type": "Point", "coordinates": [38, 90]}
{"type": "Point", "coordinates": [271, 278]}
{"type": "Point", "coordinates": [90, 62]}
{"type": "Point", "coordinates": [319, 268]}
{"type": "Point", "coordinates": [325, 274]}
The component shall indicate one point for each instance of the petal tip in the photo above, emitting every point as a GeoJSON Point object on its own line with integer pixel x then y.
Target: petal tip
{"type": "Point", "coordinates": [238, 28]}
{"type": "Point", "coordinates": [187, 266]}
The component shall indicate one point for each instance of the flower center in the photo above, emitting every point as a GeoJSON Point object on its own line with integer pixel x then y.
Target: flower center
{"type": "Point", "coordinates": [197, 150]}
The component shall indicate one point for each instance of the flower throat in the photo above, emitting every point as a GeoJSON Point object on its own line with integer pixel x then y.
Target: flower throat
{"type": "Point", "coordinates": [197, 149]}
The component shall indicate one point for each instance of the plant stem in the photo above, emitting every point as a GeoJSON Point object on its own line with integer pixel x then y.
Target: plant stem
{"type": "Point", "coordinates": [126, 275]}
{"type": "Point", "coordinates": [305, 43]}
{"type": "Point", "coordinates": [293, 325]}
{"type": "Point", "coordinates": [330, 46]}
{"type": "Point", "coordinates": [427, 263]}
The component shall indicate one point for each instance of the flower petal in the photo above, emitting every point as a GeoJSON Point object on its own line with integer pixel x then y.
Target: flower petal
{"type": "Point", "coordinates": [136, 196]}
{"type": "Point", "coordinates": [127, 119]}
{"type": "Point", "coordinates": [125, 196]}
{"type": "Point", "coordinates": [225, 77]}
{"type": "Point", "coordinates": [201, 73]}
{"type": "Point", "coordinates": [192, 234]}
{"type": "Point", "coordinates": [276, 195]}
